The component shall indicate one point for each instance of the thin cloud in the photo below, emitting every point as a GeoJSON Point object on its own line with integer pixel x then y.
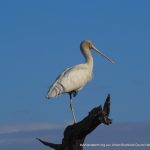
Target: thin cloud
{"type": "Point", "coordinates": [29, 127]}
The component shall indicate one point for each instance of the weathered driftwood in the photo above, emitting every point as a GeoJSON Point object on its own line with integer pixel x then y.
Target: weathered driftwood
{"type": "Point", "coordinates": [74, 135]}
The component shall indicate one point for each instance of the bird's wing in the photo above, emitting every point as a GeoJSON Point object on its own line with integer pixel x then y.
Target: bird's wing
{"type": "Point", "coordinates": [70, 79]}
{"type": "Point", "coordinates": [64, 73]}
{"type": "Point", "coordinates": [57, 88]}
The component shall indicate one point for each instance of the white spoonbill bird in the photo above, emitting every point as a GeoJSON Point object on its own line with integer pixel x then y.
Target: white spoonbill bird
{"type": "Point", "coordinates": [73, 79]}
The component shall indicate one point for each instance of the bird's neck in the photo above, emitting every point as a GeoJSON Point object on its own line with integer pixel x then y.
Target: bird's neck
{"type": "Point", "coordinates": [89, 61]}
{"type": "Point", "coordinates": [88, 58]}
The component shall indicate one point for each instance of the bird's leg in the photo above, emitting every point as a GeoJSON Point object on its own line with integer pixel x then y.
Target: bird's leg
{"type": "Point", "coordinates": [72, 108]}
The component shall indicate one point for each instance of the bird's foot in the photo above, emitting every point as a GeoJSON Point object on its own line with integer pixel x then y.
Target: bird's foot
{"type": "Point", "coordinates": [74, 93]}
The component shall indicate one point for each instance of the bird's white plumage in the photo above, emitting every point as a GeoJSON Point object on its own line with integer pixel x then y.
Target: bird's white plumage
{"type": "Point", "coordinates": [72, 79]}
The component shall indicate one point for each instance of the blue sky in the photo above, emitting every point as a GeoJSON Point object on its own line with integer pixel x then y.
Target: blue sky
{"type": "Point", "coordinates": [39, 39]}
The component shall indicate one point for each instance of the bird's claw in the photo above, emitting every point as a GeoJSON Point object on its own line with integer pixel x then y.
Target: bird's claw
{"type": "Point", "coordinates": [75, 93]}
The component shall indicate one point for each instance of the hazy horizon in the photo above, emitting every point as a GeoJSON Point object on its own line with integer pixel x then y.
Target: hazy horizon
{"type": "Point", "coordinates": [116, 133]}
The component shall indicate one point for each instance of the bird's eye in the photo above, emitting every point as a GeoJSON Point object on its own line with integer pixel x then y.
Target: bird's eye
{"type": "Point", "coordinates": [90, 45]}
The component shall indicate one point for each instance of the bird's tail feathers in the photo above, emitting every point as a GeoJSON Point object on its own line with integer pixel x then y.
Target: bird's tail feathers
{"type": "Point", "coordinates": [55, 90]}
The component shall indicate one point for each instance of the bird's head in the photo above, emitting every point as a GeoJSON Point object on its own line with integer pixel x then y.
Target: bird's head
{"type": "Point", "coordinates": [87, 45]}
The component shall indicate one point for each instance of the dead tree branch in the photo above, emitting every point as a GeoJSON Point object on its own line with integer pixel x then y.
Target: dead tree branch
{"type": "Point", "coordinates": [74, 135]}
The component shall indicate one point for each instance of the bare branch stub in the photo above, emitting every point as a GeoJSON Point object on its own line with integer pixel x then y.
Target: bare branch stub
{"type": "Point", "coordinates": [74, 135]}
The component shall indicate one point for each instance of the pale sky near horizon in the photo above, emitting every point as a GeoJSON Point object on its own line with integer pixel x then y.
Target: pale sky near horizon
{"type": "Point", "coordinates": [39, 39]}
